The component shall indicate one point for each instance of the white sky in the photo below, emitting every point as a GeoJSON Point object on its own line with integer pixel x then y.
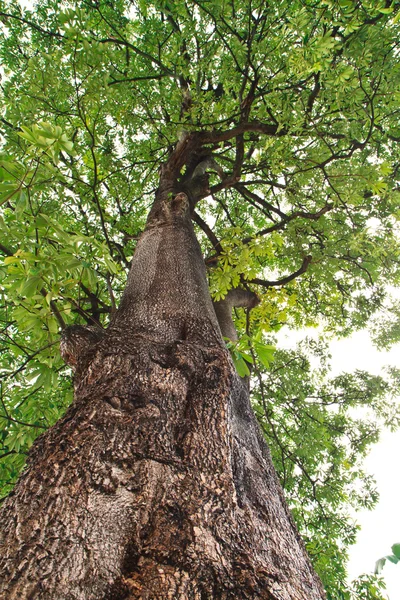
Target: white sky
{"type": "Point", "coordinates": [380, 528]}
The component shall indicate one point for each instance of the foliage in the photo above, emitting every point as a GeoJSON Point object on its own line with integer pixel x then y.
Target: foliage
{"type": "Point", "coordinates": [248, 352]}
{"type": "Point", "coordinates": [369, 587]}
{"type": "Point", "coordinates": [298, 103]}
{"type": "Point", "coordinates": [319, 429]}
{"type": "Point", "coordinates": [385, 328]}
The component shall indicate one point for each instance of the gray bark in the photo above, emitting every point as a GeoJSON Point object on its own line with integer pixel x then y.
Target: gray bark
{"type": "Point", "coordinates": [223, 310]}
{"type": "Point", "coordinates": [157, 482]}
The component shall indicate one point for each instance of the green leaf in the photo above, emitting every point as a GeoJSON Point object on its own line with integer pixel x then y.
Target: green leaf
{"type": "Point", "coordinates": [240, 365]}
{"type": "Point", "coordinates": [71, 262]}
{"type": "Point", "coordinates": [7, 190]}
{"type": "Point", "coordinates": [21, 202]}
{"type": "Point", "coordinates": [9, 260]}
{"type": "Point", "coordinates": [52, 325]}
{"type": "Point", "coordinates": [247, 357]}
{"type": "Point", "coordinates": [27, 134]}
{"type": "Point", "coordinates": [111, 265]}
{"type": "Point", "coordinates": [396, 550]}
{"type": "Point", "coordinates": [265, 353]}
{"type": "Point", "coordinates": [30, 286]}
{"type": "Point", "coordinates": [379, 565]}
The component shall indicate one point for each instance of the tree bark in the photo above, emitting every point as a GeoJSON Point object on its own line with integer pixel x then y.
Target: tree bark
{"type": "Point", "coordinates": [157, 483]}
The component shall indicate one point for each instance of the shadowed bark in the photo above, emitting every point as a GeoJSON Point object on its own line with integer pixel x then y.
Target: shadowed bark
{"type": "Point", "coordinates": [157, 482]}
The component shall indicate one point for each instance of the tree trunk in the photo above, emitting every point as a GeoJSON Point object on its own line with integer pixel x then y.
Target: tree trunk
{"type": "Point", "coordinates": [157, 482]}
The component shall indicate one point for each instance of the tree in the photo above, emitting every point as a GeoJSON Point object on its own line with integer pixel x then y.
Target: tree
{"type": "Point", "coordinates": [274, 129]}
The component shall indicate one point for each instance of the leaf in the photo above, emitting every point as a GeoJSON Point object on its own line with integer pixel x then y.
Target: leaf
{"type": "Point", "coordinates": [265, 353]}
{"type": "Point", "coordinates": [71, 262]}
{"type": "Point", "coordinates": [27, 134]}
{"type": "Point", "coordinates": [46, 130]}
{"type": "Point", "coordinates": [52, 324]}
{"type": "Point", "coordinates": [240, 365]}
{"type": "Point", "coordinates": [21, 202]}
{"type": "Point", "coordinates": [9, 260]}
{"type": "Point", "coordinates": [379, 187]}
{"type": "Point", "coordinates": [396, 550]}
{"type": "Point", "coordinates": [385, 168]}
{"type": "Point", "coordinates": [45, 378]}
{"type": "Point", "coordinates": [379, 565]}
{"type": "Point", "coordinates": [247, 357]}
{"type": "Point", "coordinates": [111, 265]}
{"type": "Point", "coordinates": [30, 286]}
{"type": "Point", "coordinates": [7, 190]}
{"type": "Point", "coordinates": [68, 147]}
{"type": "Point", "coordinates": [48, 137]}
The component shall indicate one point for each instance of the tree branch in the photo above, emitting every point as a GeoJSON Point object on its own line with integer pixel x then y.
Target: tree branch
{"type": "Point", "coordinates": [306, 262]}
{"type": "Point", "coordinates": [120, 42]}
{"type": "Point", "coordinates": [30, 24]}
{"type": "Point", "coordinates": [214, 137]}
{"type": "Point", "coordinates": [295, 215]}
{"type": "Point", "coordinates": [216, 244]}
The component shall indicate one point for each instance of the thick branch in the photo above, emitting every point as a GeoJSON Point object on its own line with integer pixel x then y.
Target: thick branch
{"type": "Point", "coordinates": [208, 231]}
{"type": "Point", "coordinates": [306, 262]}
{"type": "Point", "coordinates": [213, 137]}
{"type": "Point", "coordinates": [223, 309]}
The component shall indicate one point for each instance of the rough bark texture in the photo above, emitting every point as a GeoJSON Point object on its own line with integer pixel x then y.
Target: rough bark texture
{"type": "Point", "coordinates": [157, 482]}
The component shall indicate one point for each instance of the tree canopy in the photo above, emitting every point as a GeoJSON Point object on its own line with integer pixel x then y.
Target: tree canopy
{"type": "Point", "coordinates": [293, 107]}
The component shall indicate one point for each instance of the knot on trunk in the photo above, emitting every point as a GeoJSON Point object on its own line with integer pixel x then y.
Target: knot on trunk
{"type": "Point", "coordinates": [76, 341]}
{"type": "Point", "coordinates": [179, 205]}
{"type": "Point", "coordinates": [169, 209]}
{"type": "Point", "coordinates": [196, 182]}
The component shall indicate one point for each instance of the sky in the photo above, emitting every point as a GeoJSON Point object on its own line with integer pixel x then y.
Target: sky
{"type": "Point", "coordinates": [380, 528]}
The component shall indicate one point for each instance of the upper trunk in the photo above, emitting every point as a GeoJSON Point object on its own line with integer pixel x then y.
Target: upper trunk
{"type": "Point", "coordinates": [166, 296]}
{"type": "Point", "coordinates": [157, 482]}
